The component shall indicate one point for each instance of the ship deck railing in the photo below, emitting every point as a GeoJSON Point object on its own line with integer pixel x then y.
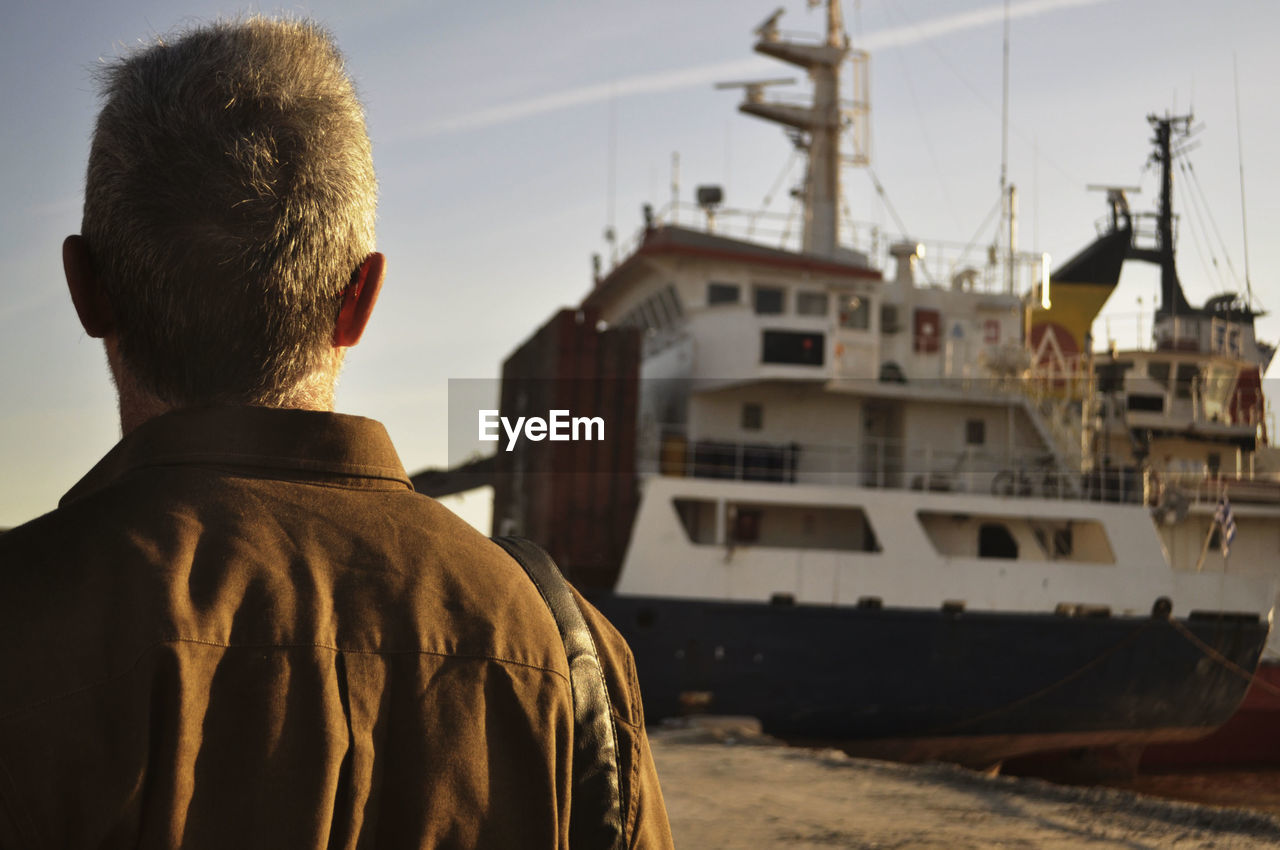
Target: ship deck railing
{"type": "Point", "coordinates": [1023, 471]}
{"type": "Point", "coordinates": [1137, 332]}
{"type": "Point", "coordinates": [942, 263]}
{"type": "Point", "coordinates": [1206, 489]}
{"type": "Point", "coordinates": [883, 463]}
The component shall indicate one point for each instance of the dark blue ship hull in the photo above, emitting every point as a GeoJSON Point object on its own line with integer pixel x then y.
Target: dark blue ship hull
{"type": "Point", "coordinates": [920, 684]}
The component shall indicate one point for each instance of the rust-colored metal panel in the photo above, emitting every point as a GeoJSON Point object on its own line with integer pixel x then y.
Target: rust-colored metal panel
{"type": "Point", "coordinates": [576, 498]}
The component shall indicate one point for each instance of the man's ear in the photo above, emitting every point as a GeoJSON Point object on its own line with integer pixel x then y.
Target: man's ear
{"type": "Point", "coordinates": [87, 295]}
{"type": "Point", "coordinates": [358, 300]}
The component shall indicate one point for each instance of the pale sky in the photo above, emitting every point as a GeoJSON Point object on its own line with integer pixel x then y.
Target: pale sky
{"type": "Point", "coordinates": [490, 124]}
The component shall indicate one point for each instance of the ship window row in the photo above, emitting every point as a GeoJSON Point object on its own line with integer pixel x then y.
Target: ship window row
{"type": "Point", "coordinates": [771, 300]}
{"type": "Point", "coordinates": [853, 312]}
{"type": "Point", "coordinates": [708, 522]}
{"type": "Point", "coordinates": [841, 528]}
{"type": "Point", "coordinates": [1182, 378]}
{"type": "Point", "coordinates": [657, 312]}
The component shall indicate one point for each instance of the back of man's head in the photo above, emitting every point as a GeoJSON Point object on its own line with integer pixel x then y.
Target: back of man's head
{"type": "Point", "coordinates": [229, 201]}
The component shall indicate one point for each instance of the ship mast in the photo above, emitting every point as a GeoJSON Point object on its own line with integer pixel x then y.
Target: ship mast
{"type": "Point", "coordinates": [819, 124]}
{"type": "Point", "coordinates": [1172, 300]}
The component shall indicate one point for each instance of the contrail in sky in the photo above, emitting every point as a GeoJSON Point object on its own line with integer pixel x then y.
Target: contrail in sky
{"type": "Point", "coordinates": [993, 14]}
{"type": "Point", "coordinates": [641, 84]}
{"type": "Point", "coordinates": [702, 75]}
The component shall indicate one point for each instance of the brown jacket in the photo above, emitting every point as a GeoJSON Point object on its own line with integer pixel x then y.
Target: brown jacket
{"type": "Point", "coordinates": [244, 629]}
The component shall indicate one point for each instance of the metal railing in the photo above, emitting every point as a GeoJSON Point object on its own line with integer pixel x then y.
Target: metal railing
{"type": "Point", "coordinates": [942, 263]}
{"type": "Point", "coordinates": [874, 462]}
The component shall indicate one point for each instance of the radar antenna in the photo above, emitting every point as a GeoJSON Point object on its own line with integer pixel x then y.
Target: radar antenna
{"type": "Point", "coordinates": [768, 30]}
{"type": "Point", "coordinates": [755, 88]}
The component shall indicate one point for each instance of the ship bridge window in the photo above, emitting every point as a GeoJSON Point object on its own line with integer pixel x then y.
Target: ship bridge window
{"type": "Point", "coordinates": [723, 293]}
{"type": "Point", "coordinates": [769, 300]}
{"type": "Point", "coordinates": [672, 300]}
{"type": "Point", "coordinates": [650, 315]}
{"type": "Point", "coordinates": [663, 309]}
{"type": "Point", "coordinates": [800, 349]}
{"type": "Point", "coordinates": [811, 303]}
{"type": "Point", "coordinates": [1225, 339]}
{"type": "Point", "coordinates": [657, 312]}
{"type": "Point", "coordinates": [779, 526]}
{"type": "Point", "coordinates": [855, 312]}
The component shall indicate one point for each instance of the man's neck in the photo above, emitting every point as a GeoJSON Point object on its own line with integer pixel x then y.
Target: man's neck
{"type": "Point", "coordinates": [137, 405]}
{"type": "Point", "coordinates": [134, 411]}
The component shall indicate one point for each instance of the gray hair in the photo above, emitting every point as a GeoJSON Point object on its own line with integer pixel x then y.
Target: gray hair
{"type": "Point", "coordinates": [229, 200]}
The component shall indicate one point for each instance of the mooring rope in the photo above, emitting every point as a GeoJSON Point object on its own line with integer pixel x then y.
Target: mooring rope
{"type": "Point", "coordinates": [1213, 654]}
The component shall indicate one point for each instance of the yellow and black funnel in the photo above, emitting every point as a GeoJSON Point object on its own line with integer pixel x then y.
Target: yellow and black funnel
{"type": "Point", "coordinates": [1081, 286]}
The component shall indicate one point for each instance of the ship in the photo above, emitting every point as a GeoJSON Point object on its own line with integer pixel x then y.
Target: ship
{"type": "Point", "coordinates": [1183, 421]}
{"type": "Point", "coordinates": [855, 505]}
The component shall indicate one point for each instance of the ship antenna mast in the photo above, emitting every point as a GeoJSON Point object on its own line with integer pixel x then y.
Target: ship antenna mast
{"type": "Point", "coordinates": [820, 124]}
{"type": "Point", "coordinates": [1244, 218]}
{"type": "Point", "coordinates": [1004, 109]}
{"type": "Point", "coordinates": [1008, 195]}
{"type": "Point", "coordinates": [1172, 300]}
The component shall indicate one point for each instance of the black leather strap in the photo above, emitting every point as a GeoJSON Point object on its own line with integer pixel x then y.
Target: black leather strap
{"type": "Point", "coordinates": [595, 814]}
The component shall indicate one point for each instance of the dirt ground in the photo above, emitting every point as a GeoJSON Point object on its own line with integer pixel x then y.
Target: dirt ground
{"type": "Point", "coordinates": [728, 787]}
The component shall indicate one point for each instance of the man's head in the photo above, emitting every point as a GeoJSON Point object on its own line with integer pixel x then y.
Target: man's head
{"type": "Point", "coordinates": [228, 218]}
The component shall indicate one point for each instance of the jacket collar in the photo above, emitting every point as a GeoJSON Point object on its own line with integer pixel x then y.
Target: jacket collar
{"type": "Point", "coordinates": [286, 443]}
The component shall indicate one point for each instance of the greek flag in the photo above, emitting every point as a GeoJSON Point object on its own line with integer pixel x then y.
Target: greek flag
{"type": "Point", "coordinates": [1226, 523]}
